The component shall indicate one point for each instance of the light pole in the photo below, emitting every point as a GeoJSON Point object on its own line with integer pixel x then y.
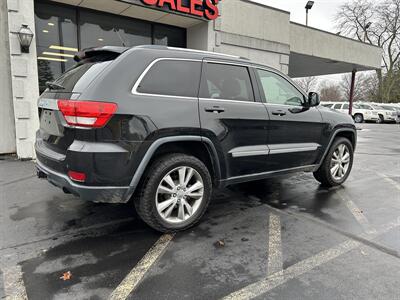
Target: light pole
{"type": "Point", "coordinates": [366, 26]}
{"type": "Point", "coordinates": [309, 5]}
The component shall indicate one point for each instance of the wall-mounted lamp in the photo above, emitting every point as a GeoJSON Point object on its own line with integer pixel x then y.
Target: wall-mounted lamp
{"type": "Point", "coordinates": [25, 36]}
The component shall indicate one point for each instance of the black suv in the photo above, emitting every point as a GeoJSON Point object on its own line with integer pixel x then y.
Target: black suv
{"type": "Point", "coordinates": [163, 126]}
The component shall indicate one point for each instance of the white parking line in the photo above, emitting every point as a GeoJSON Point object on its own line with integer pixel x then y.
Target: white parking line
{"type": "Point", "coordinates": [263, 286]}
{"type": "Point", "coordinates": [275, 263]}
{"type": "Point", "coordinates": [14, 287]}
{"type": "Point", "coordinates": [357, 213]}
{"type": "Point", "coordinates": [135, 276]}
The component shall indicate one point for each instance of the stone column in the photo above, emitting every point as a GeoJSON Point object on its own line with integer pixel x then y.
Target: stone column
{"type": "Point", "coordinates": [24, 77]}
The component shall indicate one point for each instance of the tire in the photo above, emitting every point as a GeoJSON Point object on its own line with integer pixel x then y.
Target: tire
{"type": "Point", "coordinates": [358, 118]}
{"type": "Point", "coordinates": [381, 119]}
{"type": "Point", "coordinates": [151, 195]}
{"type": "Point", "coordinates": [324, 175]}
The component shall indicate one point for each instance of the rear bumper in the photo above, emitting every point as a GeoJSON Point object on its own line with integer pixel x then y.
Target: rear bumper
{"type": "Point", "coordinates": [101, 194]}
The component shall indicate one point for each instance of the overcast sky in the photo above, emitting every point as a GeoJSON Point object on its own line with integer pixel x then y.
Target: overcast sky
{"type": "Point", "coordinates": [321, 16]}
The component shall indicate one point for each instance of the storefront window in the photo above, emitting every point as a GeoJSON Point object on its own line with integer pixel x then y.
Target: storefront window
{"type": "Point", "coordinates": [62, 30]}
{"type": "Point", "coordinates": [98, 30]}
{"type": "Point", "coordinates": [169, 36]}
{"type": "Point", "coordinates": [57, 41]}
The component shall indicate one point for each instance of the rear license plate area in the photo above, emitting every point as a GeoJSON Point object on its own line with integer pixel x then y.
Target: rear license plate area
{"type": "Point", "coordinates": [49, 123]}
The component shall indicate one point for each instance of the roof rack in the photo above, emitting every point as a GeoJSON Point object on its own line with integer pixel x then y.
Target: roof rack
{"type": "Point", "coordinates": [192, 50]}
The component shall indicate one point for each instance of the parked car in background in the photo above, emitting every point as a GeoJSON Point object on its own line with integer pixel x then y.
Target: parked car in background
{"type": "Point", "coordinates": [359, 114]}
{"type": "Point", "coordinates": [392, 108]}
{"type": "Point", "coordinates": [385, 115]}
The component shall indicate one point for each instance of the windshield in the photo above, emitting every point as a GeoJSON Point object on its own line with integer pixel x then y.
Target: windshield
{"type": "Point", "coordinates": [364, 106]}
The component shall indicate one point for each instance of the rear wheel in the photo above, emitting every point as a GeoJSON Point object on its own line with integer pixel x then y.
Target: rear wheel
{"type": "Point", "coordinates": [175, 193]}
{"type": "Point", "coordinates": [358, 118]}
{"type": "Point", "coordinates": [337, 164]}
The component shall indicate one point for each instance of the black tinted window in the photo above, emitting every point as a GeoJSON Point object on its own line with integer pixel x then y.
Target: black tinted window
{"type": "Point", "coordinates": [173, 78]}
{"type": "Point", "coordinates": [337, 106]}
{"type": "Point", "coordinates": [227, 82]}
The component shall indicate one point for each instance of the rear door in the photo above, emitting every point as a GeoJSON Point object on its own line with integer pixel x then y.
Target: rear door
{"type": "Point", "coordinates": [232, 118]}
{"type": "Point", "coordinates": [295, 130]}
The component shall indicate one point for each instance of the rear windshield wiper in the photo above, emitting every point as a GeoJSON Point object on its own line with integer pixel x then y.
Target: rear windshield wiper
{"type": "Point", "coordinates": [54, 86]}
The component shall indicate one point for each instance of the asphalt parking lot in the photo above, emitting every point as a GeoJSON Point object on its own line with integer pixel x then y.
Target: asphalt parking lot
{"type": "Point", "coordinates": [285, 238]}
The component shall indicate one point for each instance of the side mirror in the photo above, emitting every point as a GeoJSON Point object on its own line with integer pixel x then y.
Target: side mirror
{"type": "Point", "coordinates": [313, 99]}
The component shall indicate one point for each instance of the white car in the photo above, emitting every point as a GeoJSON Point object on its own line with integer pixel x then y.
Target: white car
{"type": "Point", "coordinates": [392, 107]}
{"type": "Point", "coordinates": [360, 114]}
{"type": "Point", "coordinates": [385, 115]}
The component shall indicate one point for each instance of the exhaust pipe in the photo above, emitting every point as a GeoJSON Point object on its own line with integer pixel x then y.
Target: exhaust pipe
{"type": "Point", "coordinates": [41, 174]}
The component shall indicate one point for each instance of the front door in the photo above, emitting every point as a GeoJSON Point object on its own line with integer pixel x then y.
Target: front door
{"type": "Point", "coordinates": [295, 130]}
{"type": "Point", "coordinates": [234, 118]}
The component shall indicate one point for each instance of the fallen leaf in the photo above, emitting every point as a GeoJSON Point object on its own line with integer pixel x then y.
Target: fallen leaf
{"type": "Point", "coordinates": [219, 244]}
{"type": "Point", "coordinates": [66, 276]}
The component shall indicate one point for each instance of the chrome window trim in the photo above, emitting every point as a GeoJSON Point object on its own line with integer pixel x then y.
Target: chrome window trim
{"type": "Point", "coordinates": [232, 101]}
{"type": "Point", "coordinates": [144, 73]}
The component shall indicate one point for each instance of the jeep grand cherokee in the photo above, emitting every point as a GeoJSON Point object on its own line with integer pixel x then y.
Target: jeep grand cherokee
{"type": "Point", "coordinates": [165, 126]}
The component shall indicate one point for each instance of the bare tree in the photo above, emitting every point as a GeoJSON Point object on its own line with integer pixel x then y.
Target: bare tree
{"type": "Point", "coordinates": [330, 92]}
{"type": "Point", "coordinates": [308, 84]}
{"type": "Point", "coordinates": [377, 23]}
{"type": "Point", "coordinates": [365, 87]}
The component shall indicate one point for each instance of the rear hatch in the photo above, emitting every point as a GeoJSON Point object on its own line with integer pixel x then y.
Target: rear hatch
{"type": "Point", "coordinates": [55, 134]}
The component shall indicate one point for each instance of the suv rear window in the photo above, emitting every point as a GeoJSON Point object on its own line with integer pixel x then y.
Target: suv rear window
{"type": "Point", "coordinates": [172, 78]}
{"type": "Point", "coordinates": [78, 78]}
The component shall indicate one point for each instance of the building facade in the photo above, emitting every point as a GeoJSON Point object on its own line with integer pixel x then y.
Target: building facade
{"type": "Point", "coordinates": [238, 27]}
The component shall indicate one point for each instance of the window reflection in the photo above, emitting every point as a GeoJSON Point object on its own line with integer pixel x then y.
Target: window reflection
{"type": "Point", "coordinates": [62, 30]}
{"type": "Point", "coordinates": [54, 27]}
{"type": "Point", "coordinates": [112, 30]}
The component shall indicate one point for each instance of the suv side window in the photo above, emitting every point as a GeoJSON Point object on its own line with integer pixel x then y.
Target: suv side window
{"type": "Point", "coordinates": [278, 90]}
{"type": "Point", "coordinates": [226, 82]}
{"type": "Point", "coordinates": [345, 106]}
{"type": "Point", "coordinates": [172, 78]}
{"type": "Point", "coordinates": [337, 106]}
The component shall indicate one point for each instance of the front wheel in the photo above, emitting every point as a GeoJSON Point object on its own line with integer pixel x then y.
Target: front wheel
{"type": "Point", "coordinates": [337, 164]}
{"type": "Point", "coordinates": [381, 119]}
{"type": "Point", "coordinates": [175, 193]}
{"type": "Point", "coordinates": [358, 118]}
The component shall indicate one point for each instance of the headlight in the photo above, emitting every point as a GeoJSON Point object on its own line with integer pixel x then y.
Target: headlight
{"type": "Point", "coordinates": [368, 112]}
{"type": "Point", "coordinates": [388, 113]}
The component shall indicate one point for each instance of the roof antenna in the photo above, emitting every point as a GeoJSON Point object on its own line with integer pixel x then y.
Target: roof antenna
{"type": "Point", "coordinates": [120, 37]}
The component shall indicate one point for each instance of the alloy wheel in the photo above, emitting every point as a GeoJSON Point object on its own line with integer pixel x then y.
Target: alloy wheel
{"type": "Point", "coordinates": [179, 194]}
{"type": "Point", "coordinates": [340, 162]}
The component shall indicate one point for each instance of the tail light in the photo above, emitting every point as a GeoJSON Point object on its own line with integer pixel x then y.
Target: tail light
{"type": "Point", "coordinates": [86, 113]}
{"type": "Point", "coordinates": [77, 176]}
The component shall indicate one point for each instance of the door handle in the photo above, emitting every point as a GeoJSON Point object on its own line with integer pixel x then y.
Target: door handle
{"type": "Point", "coordinates": [214, 109]}
{"type": "Point", "coordinates": [279, 112]}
